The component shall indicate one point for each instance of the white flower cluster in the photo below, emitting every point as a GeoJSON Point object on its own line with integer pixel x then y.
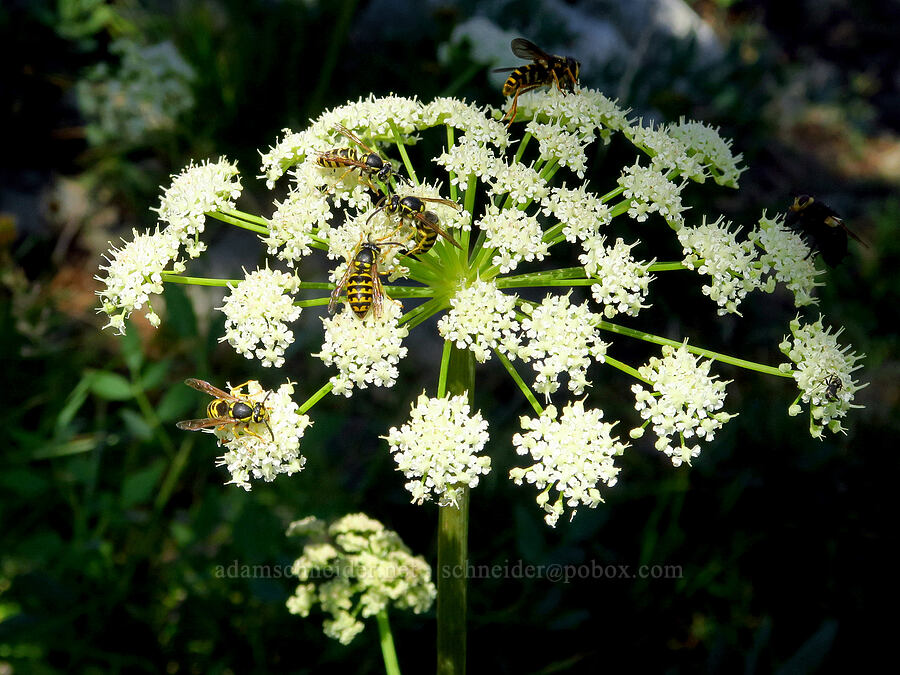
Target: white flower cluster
{"type": "Point", "coordinates": [146, 93]}
{"type": "Point", "coordinates": [364, 351]}
{"type": "Point", "coordinates": [437, 449]}
{"type": "Point", "coordinates": [358, 568]}
{"type": "Point", "coordinates": [256, 313]}
{"type": "Point", "coordinates": [265, 455]}
{"type": "Point", "coordinates": [481, 318]}
{"type": "Point", "coordinates": [515, 235]}
{"type": "Point", "coordinates": [823, 371]}
{"type": "Point", "coordinates": [467, 157]}
{"type": "Point", "coordinates": [580, 211]}
{"type": "Point", "coordinates": [470, 119]}
{"type": "Point", "coordinates": [561, 337]}
{"type": "Point", "coordinates": [522, 183]}
{"type": "Point", "coordinates": [555, 141]}
{"type": "Point", "coordinates": [667, 153]}
{"type": "Point", "coordinates": [586, 111]}
{"type": "Point", "coordinates": [714, 151]}
{"type": "Point", "coordinates": [573, 455]}
{"type": "Point", "coordinates": [304, 212]}
{"type": "Point", "coordinates": [683, 401]}
{"type": "Point", "coordinates": [651, 192]}
{"type": "Point", "coordinates": [713, 249]}
{"type": "Point", "coordinates": [134, 273]}
{"type": "Point", "coordinates": [788, 257]}
{"type": "Point", "coordinates": [200, 188]}
{"type": "Point", "coordinates": [622, 280]}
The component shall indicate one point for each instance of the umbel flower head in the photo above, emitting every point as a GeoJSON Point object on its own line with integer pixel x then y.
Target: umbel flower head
{"type": "Point", "coordinates": [463, 252]}
{"type": "Point", "coordinates": [356, 568]}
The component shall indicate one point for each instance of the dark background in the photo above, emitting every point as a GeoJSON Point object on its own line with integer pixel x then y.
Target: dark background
{"type": "Point", "coordinates": [113, 523]}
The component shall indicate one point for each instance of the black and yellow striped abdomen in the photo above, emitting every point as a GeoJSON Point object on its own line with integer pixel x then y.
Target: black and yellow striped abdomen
{"type": "Point", "coordinates": [361, 286]}
{"type": "Point", "coordinates": [337, 158]}
{"type": "Point", "coordinates": [529, 75]}
{"type": "Point", "coordinates": [237, 410]}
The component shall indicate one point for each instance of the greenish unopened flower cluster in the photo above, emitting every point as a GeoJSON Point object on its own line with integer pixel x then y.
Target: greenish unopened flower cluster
{"type": "Point", "coordinates": [509, 197]}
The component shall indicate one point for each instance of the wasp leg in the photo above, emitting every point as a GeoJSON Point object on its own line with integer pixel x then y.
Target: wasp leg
{"type": "Point", "coordinates": [236, 389]}
{"type": "Point", "coordinates": [515, 103]}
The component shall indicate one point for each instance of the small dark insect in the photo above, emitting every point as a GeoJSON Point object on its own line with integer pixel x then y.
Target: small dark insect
{"type": "Point", "coordinates": [228, 409]}
{"type": "Point", "coordinates": [545, 70]}
{"type": "Point", "coordinates": [821, 228]}
{"type": "Point", "coordinates": [413, 209]}
{"type": "Point", "coordinates": [369, 163]}
{"type": "Point", "coordinates": [833, 385]}
{"type": "Point", "coordinates": [362, 281]}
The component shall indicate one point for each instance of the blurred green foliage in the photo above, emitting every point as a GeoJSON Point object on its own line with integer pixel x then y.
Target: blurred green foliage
{"type": "Point", "coordinates": [117, 527]}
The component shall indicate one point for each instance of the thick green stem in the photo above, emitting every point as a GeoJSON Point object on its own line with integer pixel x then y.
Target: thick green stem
{"type": "Point", "coordinates": [238, 222]}
{"type": "Point", "coordinates": [526, 390]}
{"type": "Point", "coordinates": [312, 400]}
{"type": "Point", "coordinates": [401, 148]}
{"type": "Point", "coordinates": [453, 530]}
{"type": "Point", "coordinates": [198, 281]}
{"type": "Point", "coordinates": [388, 653]}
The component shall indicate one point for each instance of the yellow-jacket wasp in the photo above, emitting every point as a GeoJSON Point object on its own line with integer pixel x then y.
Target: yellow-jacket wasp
{"type": "Point", "coordinates": [228, 409]}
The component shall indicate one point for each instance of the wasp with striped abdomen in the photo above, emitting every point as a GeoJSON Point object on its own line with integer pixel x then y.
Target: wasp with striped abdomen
{"type": "Point", "coordinates": [426, 223]}
{"type": "Point", "coordinates": [362, 281]}
{"type": "Point", "coordinates": [228, 409]}
{"type": "Point", "coordinates": [545, 70]}
{"type": "Point", "coordinates": [369, 163]}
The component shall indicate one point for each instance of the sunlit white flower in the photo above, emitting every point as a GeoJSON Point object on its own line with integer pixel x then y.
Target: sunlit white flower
{"type": "Point", "coordinates": [481, 318]}
{"type": "Point", "coordinates": [622, 281]}
{"type": "Point", "coordinates": [358, 568]}
{"type": "Point", "coordinates": [520, 182]}
{"type": "Point", "coordinates": [819, 362]}
{"type": "Point", "coordinates": [707, 144]}
{"type": "Point", "coordinates": [573, 455]}
{"type": "Point", "coordinates": [437, 449]}
{"type": "Point", "coordinates": [264, 455]}
{"type": "Point", "coordinates": [257, 312]}
{"type": "Point", "coordinates": [515, 235]}
{"type": "Point", "coordinates": [375, 114]}
{"type": "Point", "coordinates": [199, 188]}
{"type": "Point", "coordinates": [303, 212]}
{"type": "Point", "coordinates": [580, 211]}
{"type": "Point", "coordinates": [585, 111]}
{"type": "Point", "coordinates": [134, 273]}
{"type": "Point", "coordinates": [788, 257]}
{"type": "Point", "coordinates": [560, 337]}
{"type": "Point", "coordinates": [651, 192]}
{"type": "Point", "coordinates": [472, 120]}
{"type": "Point", "coordinates": [365, 351]}
{"type": "Point", "coordinates": [683, 400]}
{"type": "Point", "coordinates": [713, 249]}
{"type": "Point", "coordinates": [556, 142]}
{"type": "Point", "coordinates": [468, 158]}
{"type": "Point", "coordinates": [667, 153]}
{"type": "Point", "coordinates": [290, 151]}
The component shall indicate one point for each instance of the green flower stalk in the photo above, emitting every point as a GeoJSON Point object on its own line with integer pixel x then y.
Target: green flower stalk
{"type": "Point", "coordinates": [512, 204]}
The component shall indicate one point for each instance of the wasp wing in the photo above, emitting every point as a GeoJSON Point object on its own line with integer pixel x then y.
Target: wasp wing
{"type": "Point", "coordinates": [204, 423]}
{"type": "Point", "coordinates": [353, 137]}
{"type": "Point", "coordinates": [526, 49]}
{"type": "Point", "coordinates": [431, 224]}
{"type": "Point", "coordinates": [207, 388]}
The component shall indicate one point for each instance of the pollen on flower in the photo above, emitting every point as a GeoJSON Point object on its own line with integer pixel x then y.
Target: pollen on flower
{"type": "Point", "coordinates": [437, 449]}
{"type": "Point", "coordinates": [467, 158]}
{"type": "Point", "coordinates": [567, 148]}
{"type": "Point", "coordinates": [651, 192]}
{"type": "Point", "coordinates": [481, 318]}
{"type": "Point", "coordinates": [522, 183]}
{"type": "Point", "coordinates": [195, 191]}
{"type": "Point", "coordinates": [374, 114]}
{"type": "Point", "coordinates": [714, 250]}
{"type": "Point", "coordinates": [289, 151]}
{"type": "Point", "coordinates": [365, 351]}
{"type": "Point", "coordinates": [573, 453]}
{"type": "Point", "coordinates": [707, 144]}
{"type": "Point", "coordinates": [264, 455]}
{"type": "Point", "coordinates": [515, 235]}
{"type": "Point", "coordinates": [823, 371]}
{"type": "Point", "coordinates": [134, 273]}
{"type": "Point", "coordinates": [622, 281]}
{"type": "Point", "coordinates": [304, 212]}
{"type": "Point", "coordinates": [256, 313]}
{"type": "Point", "coordinates": [580, 211]}
{"type": "Point", "coordinates": [560, 337]}
{"type": "Point", "coordinates": [357, 568]}
{"type": "Point", "coordinates": [683, 400]}
{"type": "Point", "coordinates": [788, 257]}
